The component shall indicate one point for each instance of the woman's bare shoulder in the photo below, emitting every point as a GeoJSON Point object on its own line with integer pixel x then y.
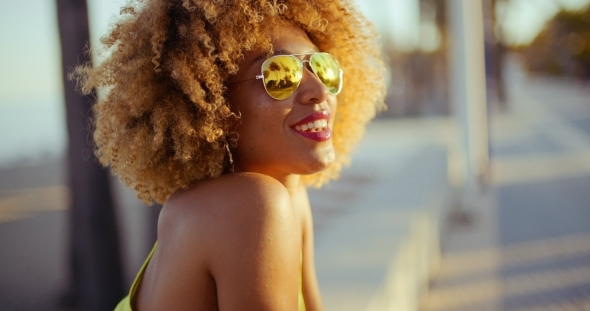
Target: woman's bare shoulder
{"type": "Point", "coordinates": [239, 229]}
{"type": "Point", "coordinates": [234, 228]}
{"type": "Point", "coordinates": [231, 191]}
{"type": "Point", "coordinates": [224, 205]}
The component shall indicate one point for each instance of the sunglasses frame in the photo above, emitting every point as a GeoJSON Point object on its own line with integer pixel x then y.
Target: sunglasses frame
{"type": "Point", "coordinates": [302, 66]}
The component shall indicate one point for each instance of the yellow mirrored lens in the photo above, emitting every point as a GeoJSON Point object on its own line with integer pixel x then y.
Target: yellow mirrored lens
{"type": "Point", "coordinates": [326, 67]}
{"type": "Point", "coordinates": [282, 75]}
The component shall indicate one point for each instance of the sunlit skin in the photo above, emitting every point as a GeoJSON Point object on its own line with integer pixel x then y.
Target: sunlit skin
{"type": "Point", "coordinates": [235, 242]}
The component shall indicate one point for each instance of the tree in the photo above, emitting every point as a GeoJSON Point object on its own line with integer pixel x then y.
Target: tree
{"type": "Point", "coordinates": [96, 275]}
{"type": "Point", "coordinates": [563, 47]}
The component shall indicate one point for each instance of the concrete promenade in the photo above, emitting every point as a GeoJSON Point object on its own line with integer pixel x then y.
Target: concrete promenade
{"type": "Point", "coordinates": [377, 228]}
{"type": "Point", "coordinates": [526, 242]}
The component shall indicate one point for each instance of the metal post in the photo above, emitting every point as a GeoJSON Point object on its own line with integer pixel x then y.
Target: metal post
{"type": "Point", "coordinates": [468, 91]}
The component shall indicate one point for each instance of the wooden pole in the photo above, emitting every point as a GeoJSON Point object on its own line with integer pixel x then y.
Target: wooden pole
{"type": "Point", "coordinates": [96, 279]}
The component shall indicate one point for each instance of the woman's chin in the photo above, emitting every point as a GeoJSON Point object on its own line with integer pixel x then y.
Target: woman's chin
{"type": "Point", "coordinates": [320, 162]}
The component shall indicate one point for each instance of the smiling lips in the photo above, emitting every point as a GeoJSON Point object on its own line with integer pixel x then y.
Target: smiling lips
{"type": "Point", "coordinates": [314, 126]}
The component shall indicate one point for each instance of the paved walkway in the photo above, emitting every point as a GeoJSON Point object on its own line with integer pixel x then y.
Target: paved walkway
{"type": "Point", "coordinates": [527, 244]}
{"type": "Point", "coordinates": [377, 226]}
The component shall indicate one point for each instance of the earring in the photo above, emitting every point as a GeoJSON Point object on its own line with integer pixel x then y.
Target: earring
{"type": "Point", "coordinates": [231, 159]}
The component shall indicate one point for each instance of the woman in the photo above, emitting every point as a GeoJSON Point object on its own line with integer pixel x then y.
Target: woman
{"type": "Point", "coordinates": [225, 110]}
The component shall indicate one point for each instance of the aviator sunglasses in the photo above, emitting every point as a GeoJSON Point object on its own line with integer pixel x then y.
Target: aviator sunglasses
{"type": "Point", "coordinates": [282, 74]}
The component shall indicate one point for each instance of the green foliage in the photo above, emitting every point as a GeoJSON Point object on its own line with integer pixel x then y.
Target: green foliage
{"type": "Point", "coordinates": [563, 47]}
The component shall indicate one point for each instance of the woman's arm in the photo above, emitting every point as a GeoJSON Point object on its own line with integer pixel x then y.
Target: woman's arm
{"type": "Point", "coordinates": [256, 266]}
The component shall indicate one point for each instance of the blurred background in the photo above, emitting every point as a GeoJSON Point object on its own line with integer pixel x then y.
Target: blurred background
{"type": "Point", "coordinates": [470, 192]}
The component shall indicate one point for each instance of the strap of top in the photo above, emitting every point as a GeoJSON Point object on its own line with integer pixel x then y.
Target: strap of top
{"type": "Point", "coordinates": [139, 276]}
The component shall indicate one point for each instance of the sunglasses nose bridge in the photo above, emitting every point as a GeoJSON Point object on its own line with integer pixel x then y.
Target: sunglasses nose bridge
{"type": "Point", "coordinates": [311, 88]}
{"type": "Point", "coordinates": [309, 69]}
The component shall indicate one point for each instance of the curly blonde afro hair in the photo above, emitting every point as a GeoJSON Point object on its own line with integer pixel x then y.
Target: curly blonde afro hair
{"type": "Point", "coordinates": [163, 119]}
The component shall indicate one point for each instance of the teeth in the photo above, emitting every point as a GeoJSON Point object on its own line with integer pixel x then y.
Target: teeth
{"type": "Point", "coordinates": [317, 124]}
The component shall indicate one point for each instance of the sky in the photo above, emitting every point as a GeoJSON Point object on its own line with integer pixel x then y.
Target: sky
{"type": "Point", "coordinates": [31, 100]}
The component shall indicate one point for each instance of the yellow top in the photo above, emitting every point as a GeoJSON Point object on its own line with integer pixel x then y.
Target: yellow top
{"type": "Point", "coordinates": [125, 304]}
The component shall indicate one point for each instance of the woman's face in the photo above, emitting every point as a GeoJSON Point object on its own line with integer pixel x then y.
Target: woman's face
{"type": "Point", "coordinates": [272, 138]}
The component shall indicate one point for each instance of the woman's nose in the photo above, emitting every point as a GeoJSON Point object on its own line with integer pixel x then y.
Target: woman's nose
{"type": "Point", "coordinates": [311, 89]}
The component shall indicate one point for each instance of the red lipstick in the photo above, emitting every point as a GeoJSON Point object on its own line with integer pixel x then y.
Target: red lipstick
{"type": "Point", "coordinates": [314, 127]}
